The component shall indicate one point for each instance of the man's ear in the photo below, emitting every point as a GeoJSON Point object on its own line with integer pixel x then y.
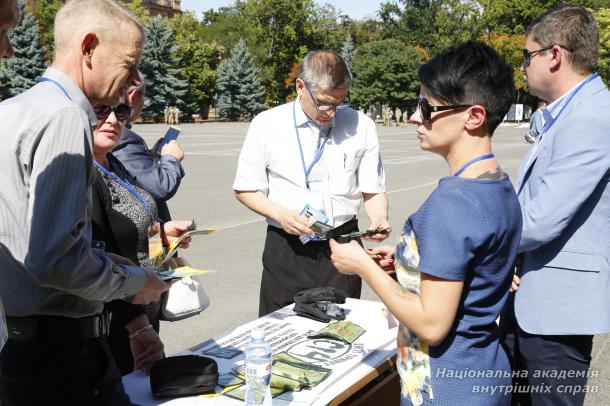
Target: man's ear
{"type": "Point", "coordinates": [558, 54]}
{"type": "Point", "coordinates": [299, 85]}
{"type": "Point", "coordinates": [88, 46]}
{"type": "Point", "coordinates": [476, 117]}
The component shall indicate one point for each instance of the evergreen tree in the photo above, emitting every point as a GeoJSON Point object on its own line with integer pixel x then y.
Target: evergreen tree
{"type": "Point", "coordinates": [20, 73]}
{"type": "Point", "coordinates": [348, 50]}
{"type": "Point", "coordinates": [239, 88]}
{"type": "Point", "coordinates": [164, 84]}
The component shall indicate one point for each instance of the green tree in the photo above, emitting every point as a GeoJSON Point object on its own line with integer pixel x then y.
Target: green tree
{"type": "Point", "coordinates": [411, 21]}
{"type": "Point", "coordinates": [385, 72]}
{"type": "Point", "coordinates": [602, 16]}
{"type": "Point", "coordinates": [366, 30]}
{"type": "Point", "coordinates": [239, 89]}
{"type": "Point", "coordinates": [283, 33]}
{"type": "Point", "coordinates": [456, 21]}
{"type": "Point", "coordinates": [45, 12]}
{"type": "Point", "coordinates": [329, 27]}
{"type": "Point", "coordinates": [20, 73]}
{"type": "Point", "coordinates": [510, 46]}
{"type": "Point", "coordinates": [137, 8]}
{"type": "Point", "coordinates": [198, 60]}
{"type": "Point", "coordinates": [347, 52]}
{"type": "Point", "coordinates": [225, 26]}
{"type": "Point", "coordinates": [514, 16]}
{"type": "Point", "coordinates": [165, 86]}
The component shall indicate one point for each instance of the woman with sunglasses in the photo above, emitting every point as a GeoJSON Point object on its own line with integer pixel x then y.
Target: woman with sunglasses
{"type": "Point", "coordinates": [124, 215]}
{"type": "Point", "coordinates": [453, 259]}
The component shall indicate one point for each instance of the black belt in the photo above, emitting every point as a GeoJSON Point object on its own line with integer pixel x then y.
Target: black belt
{"type": "Point", "coordinates": [345, 228]}
{"type": "Point", "coordinates": [56, 328]}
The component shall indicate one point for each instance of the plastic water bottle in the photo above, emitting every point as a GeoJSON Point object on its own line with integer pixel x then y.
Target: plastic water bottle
{"type": "Point", "coordinates": [258, 370]}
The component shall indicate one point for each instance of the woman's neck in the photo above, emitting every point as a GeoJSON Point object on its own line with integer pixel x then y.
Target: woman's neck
{"type": "Point", "coordinates": [101, 158]}
{"type": "Point", "coordinates": [472, 147]}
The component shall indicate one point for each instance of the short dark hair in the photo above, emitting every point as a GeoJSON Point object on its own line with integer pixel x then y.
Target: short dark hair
{"type": "Point", "coordinates": [575, 29]}
{"type": "Point", "coordinates": [471, 73]}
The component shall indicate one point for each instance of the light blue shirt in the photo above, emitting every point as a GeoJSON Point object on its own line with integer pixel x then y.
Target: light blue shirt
{"type": "Point", "coordinates": [47, 265]}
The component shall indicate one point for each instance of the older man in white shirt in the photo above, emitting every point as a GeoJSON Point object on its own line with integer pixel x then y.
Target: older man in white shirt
{"type": "Point", "coordinates": [9, 16]}
{"type": "Point", "coordinates": [318, 152]}
{"type": "Point", "coordinates": [53, 280]}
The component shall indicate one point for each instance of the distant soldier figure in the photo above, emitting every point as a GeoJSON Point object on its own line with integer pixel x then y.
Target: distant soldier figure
{"type": "Point", "coordinates": [405, 118]}
{"type": "Point", "coordinates": [398, 115]}
{"type": "Point", "coordinates": [176, 115]}
{"type": "Point", "coordinates": [387, 116]}
{"type": "Point", "coordinates": [166, 115]}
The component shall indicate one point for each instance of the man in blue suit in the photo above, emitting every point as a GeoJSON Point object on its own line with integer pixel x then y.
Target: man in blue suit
{"type": "Point", "coordinates": [563, 294]}
{"type": "Point", "coordinates": [159, 176]}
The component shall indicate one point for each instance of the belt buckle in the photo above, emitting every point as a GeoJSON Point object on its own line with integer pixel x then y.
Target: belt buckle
{"type": "Point", "coordinates": [103, 324]}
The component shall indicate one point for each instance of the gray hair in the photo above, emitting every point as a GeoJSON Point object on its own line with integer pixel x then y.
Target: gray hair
{"type": "Point", "coordinates": [103, 17]}
{"type": "Point", "coordinates": [325, 70]}
{"type": "Point", "coordinates": [574, 29]}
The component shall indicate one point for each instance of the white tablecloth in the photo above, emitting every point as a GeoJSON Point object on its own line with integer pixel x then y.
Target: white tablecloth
{"type": "Point", "coordinates": [287, 332]}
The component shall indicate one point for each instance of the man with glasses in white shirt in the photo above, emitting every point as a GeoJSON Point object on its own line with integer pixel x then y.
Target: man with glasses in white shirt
{"type": "Point", "coordinates": [319, 153]}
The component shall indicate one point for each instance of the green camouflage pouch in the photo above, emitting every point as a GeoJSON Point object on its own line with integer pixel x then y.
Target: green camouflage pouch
{"type": "Point", "coordinates": [309, 375]}
{"type": "Point", "coordinates": [277, 381]}
{"type": "Point", "coordinates": [344, 330]}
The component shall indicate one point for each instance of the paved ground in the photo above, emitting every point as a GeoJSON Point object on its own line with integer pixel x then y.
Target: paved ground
{"type": "Point", "coordinates": [212, 151]}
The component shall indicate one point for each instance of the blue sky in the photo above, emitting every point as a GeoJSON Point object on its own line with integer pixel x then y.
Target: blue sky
{"type": "Point", "coordinates": [354, 8]}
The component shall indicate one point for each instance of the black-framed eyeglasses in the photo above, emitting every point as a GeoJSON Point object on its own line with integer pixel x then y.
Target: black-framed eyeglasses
{"type": "Point", "coordinates": [528, 55]}
{"type": "Point", "coordinates": [122, 111]}
{"type": "Point", "coordinates": [325, 107]}
{"type": "Point", "coordinates": [426, 109]}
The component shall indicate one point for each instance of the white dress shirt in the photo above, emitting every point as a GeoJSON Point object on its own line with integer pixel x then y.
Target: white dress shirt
{"type": "Point", "coordinates": [270, 160]}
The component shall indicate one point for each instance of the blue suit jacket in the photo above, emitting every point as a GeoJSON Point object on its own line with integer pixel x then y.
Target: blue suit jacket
{"type": "Point", "coordinates": [161, 179]}
{"type": "Point", "coordinates": [565, 199]}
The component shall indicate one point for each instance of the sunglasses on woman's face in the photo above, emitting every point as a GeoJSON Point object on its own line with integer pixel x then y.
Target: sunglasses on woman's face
{"type": "Point", "coordinates": [426, 109]}
{"type": "Point", "coordinates": [121, 111]}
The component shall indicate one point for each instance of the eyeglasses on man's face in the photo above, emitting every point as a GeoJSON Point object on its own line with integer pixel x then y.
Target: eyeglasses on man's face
{"type": "Point", "coordinates": [326, 107]}
{"type": "Point", "coordinates": [122, 111]}
{"type": "Point", "coordinates": [528, 55]}
{"type": "Point", "coordinates": [426, 109]}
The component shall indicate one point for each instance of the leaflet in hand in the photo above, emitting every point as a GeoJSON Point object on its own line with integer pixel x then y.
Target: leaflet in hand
{"type": "Point", "coordinates": [318, 222]}
{"type": "Point", "coordinates": [182, 272]}
{"type": "Point", "coordinates": [156, 248]}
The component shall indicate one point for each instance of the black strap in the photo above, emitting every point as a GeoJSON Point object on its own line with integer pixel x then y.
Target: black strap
{"type": "Point", "coordinates": [57, 328]}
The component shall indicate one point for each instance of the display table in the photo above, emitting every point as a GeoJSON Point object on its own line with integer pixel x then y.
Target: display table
{"type": "Point", "coordinates": [359, 370]}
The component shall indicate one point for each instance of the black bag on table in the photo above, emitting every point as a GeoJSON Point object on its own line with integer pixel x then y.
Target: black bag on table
{"type": "Point", "coordinates": [183, 375]}
{"type": "Point", "coordinates": [317, 303]}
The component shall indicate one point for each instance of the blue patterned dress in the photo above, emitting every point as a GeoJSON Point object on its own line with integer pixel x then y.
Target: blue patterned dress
{"type": "Point", "coordinates": [467, 230]}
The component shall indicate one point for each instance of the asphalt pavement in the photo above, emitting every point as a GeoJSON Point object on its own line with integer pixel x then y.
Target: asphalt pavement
{"type": "Point", "coordinates": [206, 195]}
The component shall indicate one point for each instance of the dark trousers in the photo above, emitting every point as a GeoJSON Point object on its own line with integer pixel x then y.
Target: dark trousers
{"type": "Point", "coordinates": [290, 267]}
{"type": "Point", "coordinates": [60, 373]}
{"type": "Point", "coordinates": [556, 365]}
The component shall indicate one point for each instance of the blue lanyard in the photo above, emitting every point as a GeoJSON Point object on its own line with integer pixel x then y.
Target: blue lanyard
{"type": "Point", "coordinates": [129, 187]}
{"type": "Point", "coordinates": [467, 164]}
{"type": "Point", "coordinates": [319, 152]}
{"type": "Point", "coordinates": [548, 126]}
{"type": "Point", "coordinates": [56, 83]}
